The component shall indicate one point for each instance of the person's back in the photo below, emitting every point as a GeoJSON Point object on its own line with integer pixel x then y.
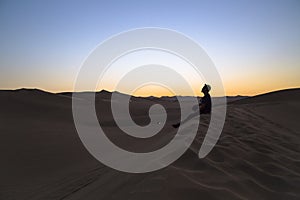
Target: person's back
{"type": "Point", "coordinates": [206, 101]}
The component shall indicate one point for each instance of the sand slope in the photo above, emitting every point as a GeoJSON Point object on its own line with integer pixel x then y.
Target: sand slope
{"type": "Point", "coordinates": [257, 156]}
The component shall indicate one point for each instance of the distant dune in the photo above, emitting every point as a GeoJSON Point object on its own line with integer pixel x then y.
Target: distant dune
{"type": "Point", "coordinates": [275, 96]}
{"type": "Point", "coordinates": [281, 107]}
{"type": "Point", "coordinates": [42, 157]}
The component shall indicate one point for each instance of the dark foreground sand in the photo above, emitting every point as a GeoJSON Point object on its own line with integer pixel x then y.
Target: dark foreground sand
{"type": "Point", "coordinates": [42, 157]}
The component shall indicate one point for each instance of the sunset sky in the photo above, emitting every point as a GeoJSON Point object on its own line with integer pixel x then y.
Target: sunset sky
{"type": "Point", "coordinates": [255, 45]}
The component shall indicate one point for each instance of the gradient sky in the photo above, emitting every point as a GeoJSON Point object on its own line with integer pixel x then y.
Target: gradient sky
{"type": "Point", "coordinates": [255, 45]}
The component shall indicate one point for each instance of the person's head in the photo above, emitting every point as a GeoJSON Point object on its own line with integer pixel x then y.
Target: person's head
{"type": "Point", "coordinates": [206, 88]}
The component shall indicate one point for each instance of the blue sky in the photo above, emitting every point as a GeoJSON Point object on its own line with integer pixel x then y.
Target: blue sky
{"type": "Point", "coordinates": [254, 44]}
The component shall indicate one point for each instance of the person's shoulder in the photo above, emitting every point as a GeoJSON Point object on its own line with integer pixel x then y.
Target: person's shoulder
{"type": "Point", "coordinates": [207, 96]}
{"type": "Point", "coordinates": [204, 98]}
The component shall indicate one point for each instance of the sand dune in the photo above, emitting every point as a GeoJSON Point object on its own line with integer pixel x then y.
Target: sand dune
{"type": "Point", "coordinates": [42, 157]}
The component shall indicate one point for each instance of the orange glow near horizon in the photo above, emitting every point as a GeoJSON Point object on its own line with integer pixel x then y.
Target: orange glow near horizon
{"type": "Point", "coordinates": [152, 90]}
{"type": "Point", "coordinates": [243, 89]}
{"type": "Point", "coordinates": [238, 85]}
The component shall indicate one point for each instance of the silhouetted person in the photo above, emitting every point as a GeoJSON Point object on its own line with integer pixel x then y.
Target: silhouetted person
{"type": "Point", "coordinates": [204, 106]}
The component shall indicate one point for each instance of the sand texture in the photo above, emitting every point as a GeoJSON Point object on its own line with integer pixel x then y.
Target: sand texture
{"type": "Point", "coordinates": [42, 157]}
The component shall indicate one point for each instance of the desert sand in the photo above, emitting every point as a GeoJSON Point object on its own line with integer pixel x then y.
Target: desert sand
{"type": "Point", "coordinates": [42, 157]}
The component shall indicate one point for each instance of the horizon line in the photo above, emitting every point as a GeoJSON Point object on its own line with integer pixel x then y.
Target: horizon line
{"type": "Point", "coordinates": [104, 90]}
